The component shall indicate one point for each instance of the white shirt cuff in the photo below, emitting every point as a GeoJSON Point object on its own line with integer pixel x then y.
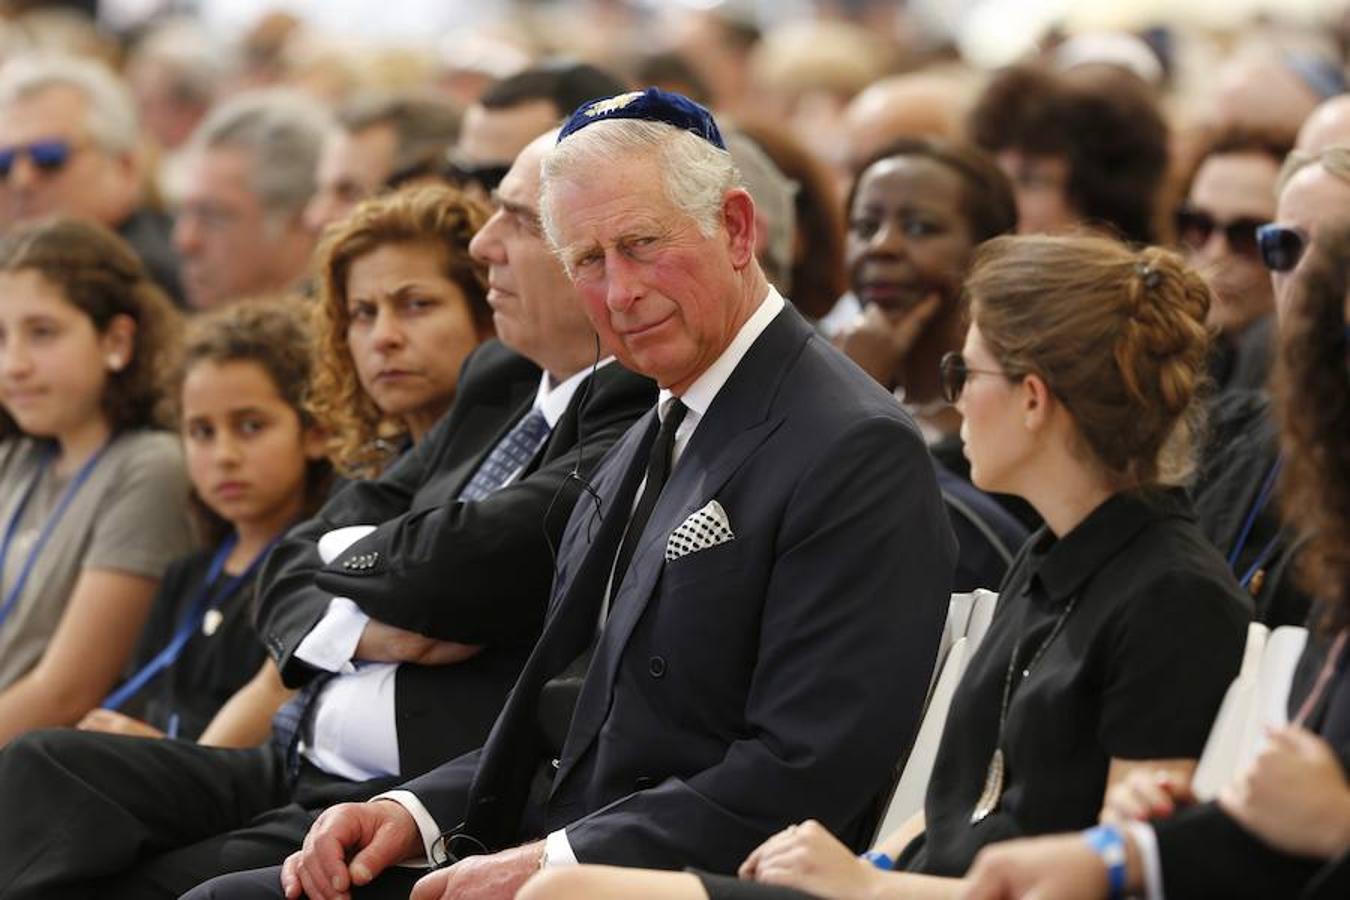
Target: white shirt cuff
{"type": "Point", "coordinates": [558, 850]}
{"type": "Point", "coordinates": [334, 543]}
{"type": "Point", "coordinates": [426, 825]}
{"type": "Point", "coordinates": [331, 643]}
{"type": "Point", "coordinates": [1146, 843]}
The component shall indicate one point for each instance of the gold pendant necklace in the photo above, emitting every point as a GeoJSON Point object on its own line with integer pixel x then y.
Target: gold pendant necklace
{"type": "Point", "coordinates": [993, 789]}
{"type": "Point", "coordinates": [996, 774]}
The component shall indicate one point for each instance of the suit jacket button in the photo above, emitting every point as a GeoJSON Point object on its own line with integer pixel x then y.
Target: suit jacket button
{"type": "Point", "coordinates": [642, 782]}
{"type": "Point", "coordinates": [555, 762]}
{"type": "Point", "coordinates": [656, 667]}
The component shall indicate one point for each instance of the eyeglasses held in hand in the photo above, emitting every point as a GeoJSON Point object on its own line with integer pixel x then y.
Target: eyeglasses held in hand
{"type": "Point", "coordinates": [46, 156]}
{"type": "Point", "coordinates": [1195, 227]}
{"type": "Point", "coordinates": [955, 372]}
{"type": "Point", "coordinates": [1281, 246]}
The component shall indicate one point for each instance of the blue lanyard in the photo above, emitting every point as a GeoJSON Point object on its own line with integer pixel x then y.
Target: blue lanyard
{"type": "Point", "coordinates": [206, 599]}
{"type": "Point", "coordinates": [48, 528]}
{"type": "Point", "coordinates": [1262, 497]}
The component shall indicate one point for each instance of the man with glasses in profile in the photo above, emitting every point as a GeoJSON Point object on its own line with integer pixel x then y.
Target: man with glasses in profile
{"type": "Point", "coordinates": [69, 145]}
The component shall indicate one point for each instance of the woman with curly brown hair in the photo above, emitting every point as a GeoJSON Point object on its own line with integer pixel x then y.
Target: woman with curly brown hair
{"type": "Point", "coordinates": [401, 304]}
{"type": "Point", "coordinates": [93, 499]}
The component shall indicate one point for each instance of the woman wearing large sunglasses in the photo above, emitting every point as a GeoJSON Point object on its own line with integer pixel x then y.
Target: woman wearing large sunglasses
{"type": "Point", "coordinates": [1119, 626]}
{"type": "Point", "coordinates": [1230, 196]}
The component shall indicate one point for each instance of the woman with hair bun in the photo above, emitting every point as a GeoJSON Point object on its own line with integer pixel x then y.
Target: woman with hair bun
{"type": "Point", "coordinates": [1119, 626]}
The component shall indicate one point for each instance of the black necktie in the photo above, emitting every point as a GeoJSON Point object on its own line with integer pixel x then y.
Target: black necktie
{"type": "Point", "coordinates": [658, 470]}
{"type": "Point", "coordinates": [558, 699]}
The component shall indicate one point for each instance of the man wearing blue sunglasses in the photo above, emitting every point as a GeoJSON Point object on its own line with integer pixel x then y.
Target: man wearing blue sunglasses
{"type": "Point", "coordinates": [69, 145]}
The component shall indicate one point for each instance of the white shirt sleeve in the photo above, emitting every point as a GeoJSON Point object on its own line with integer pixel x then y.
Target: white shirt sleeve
{"type": "Point", "coordinates": [426, 825]}
{"type": "Point", "coordinates": [1146, 842]}
{"type": "Point", "coordinates": [558, 850]}
{"type": "Point", "coordinates": [331, 643]}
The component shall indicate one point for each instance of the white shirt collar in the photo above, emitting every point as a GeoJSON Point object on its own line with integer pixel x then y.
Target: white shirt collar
{"type": "Point", "coordinates": [700, 395]}
{"type": "Point", "coordinates": [552, 399]}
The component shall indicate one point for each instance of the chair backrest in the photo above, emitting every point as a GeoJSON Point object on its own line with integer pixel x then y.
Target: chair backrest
{"type": "Point", "coordinates": [907, 799]}
{"type": "Point", "coordinates": [1270, 700]}
{"type": "Point", "coordinates": [1219, 759]}
{"type": "Point", "coordinates": [968, 618]}
{"type": "Point", "coordinates": [981, 614]}
{"type": "Point", "coordinates": [958, 620]}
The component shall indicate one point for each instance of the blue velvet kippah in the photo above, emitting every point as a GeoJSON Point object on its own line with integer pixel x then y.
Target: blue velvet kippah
{"type": "Point", "coordinates": [651, 105]}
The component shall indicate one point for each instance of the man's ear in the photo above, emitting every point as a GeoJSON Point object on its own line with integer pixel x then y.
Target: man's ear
{"type": "Point", "coordinates": [738, 216]}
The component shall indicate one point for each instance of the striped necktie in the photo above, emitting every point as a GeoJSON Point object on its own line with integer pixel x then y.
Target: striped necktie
{"type": "Point", "coordinates": [512, 454]}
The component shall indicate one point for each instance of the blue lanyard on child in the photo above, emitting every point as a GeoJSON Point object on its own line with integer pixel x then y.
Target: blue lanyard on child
{"type": "Point", "coordinates": [48, 528]}
{"type": "Point", "coordinates": [1262, 497]}
{"type": "Point", "coordinates": [205, 600]}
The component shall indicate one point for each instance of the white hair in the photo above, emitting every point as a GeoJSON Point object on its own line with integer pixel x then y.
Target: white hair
{"type": "Point", "coordinates": [695, 174]}
{"type": "Point", "coordinates": [282, 132]}
{"type": "Point", "coordinates": [110, 113]}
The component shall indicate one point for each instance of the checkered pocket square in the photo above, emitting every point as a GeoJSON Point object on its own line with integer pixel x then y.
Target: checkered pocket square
{"type": "Point", "coordinates": [706, 528]}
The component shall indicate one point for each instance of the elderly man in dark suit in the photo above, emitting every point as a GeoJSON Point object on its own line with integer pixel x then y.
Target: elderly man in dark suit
{"type": "Point", "coordinates": [452, 558]}
{"type": "Point", "coordinates": [743, 625]}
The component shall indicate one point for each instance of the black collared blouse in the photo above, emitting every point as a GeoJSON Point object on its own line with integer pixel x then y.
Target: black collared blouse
{"type": "Point", "coordinates": [1138, 672]}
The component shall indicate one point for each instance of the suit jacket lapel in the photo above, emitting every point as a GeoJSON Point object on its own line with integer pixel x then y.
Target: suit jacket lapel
{"type": "Point", "coordinates": [741, 418]}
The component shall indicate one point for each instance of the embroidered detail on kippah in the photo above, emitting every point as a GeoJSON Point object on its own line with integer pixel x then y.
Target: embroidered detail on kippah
{"type": "Point", "coordinates": [619, 101]}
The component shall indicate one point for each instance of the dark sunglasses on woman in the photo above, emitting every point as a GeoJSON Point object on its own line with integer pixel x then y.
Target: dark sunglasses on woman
{"type": "Point", "coordinates": [1195, 226]}
{"type": "Point", "coordinates": [1281, 246]}
{"type": "Point", "coordinates": [955, 372]}
{"type": "Point", "coordinates": [46, 156]}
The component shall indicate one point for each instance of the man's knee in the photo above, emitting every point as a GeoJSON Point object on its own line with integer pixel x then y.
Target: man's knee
{"type": "Point", "coordinates": [259, 884]}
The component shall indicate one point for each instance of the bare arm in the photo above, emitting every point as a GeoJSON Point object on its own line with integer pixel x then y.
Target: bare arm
{"type": "Point", "coordinates": [1138, 790]}
{"type": "Point", "coordinates": [246, 718]}
{"type": "Point", "coordinates": [94, 639]}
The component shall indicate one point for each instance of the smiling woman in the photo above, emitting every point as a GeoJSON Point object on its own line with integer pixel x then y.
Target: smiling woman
{"type": "Point", "coordinates": [401, 305]}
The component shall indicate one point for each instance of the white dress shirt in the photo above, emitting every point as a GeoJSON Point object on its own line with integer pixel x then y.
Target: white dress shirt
{"type": "Point", "coordinates": [350, 729]}
{"type": "Point", "coordinates": [698, 397]}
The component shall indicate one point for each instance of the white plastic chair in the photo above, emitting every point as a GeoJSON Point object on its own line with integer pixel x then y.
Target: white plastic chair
{"type": "Point", "coordinates": [981, 615]}
{"type": "Point", "coordinates": [913, 784]}
{"type": "Point", "coordinates": [968, 618]}
{"type": "Point", "coordinates": [1270, 702]}
{"type": "Point", "coordinates": [1219, 759]}
{"type": "Point", "coordinates": [958, 620]}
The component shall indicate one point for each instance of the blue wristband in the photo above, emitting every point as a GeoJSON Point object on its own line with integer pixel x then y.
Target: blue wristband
{"type": "Point", "coordinates": [1108, 843]}
{"type": "Point", "coordinates": [878, 859]}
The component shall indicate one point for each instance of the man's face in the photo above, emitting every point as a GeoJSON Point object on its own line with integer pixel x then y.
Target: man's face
{"type": "Point", "coordinates": [663, 297]}
{"type": "Point", "coordinates": [57, 167]}
{"type": "Point", "coordinates": [1313, 201]}
{"type": "Point", "coordinates": [496, 136]}
{"type": "Point", "coordinates": [352, 167]}
{"type": "Point", "coordinates": [534, 306]}
{"type": "Point", "coordinates": [228, 242]}
{"type": "Point", "coordinates": [1238, 190]}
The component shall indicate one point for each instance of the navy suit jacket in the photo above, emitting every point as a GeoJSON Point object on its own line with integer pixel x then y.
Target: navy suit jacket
{"type": "Point", "coordinates": [772, 678]}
